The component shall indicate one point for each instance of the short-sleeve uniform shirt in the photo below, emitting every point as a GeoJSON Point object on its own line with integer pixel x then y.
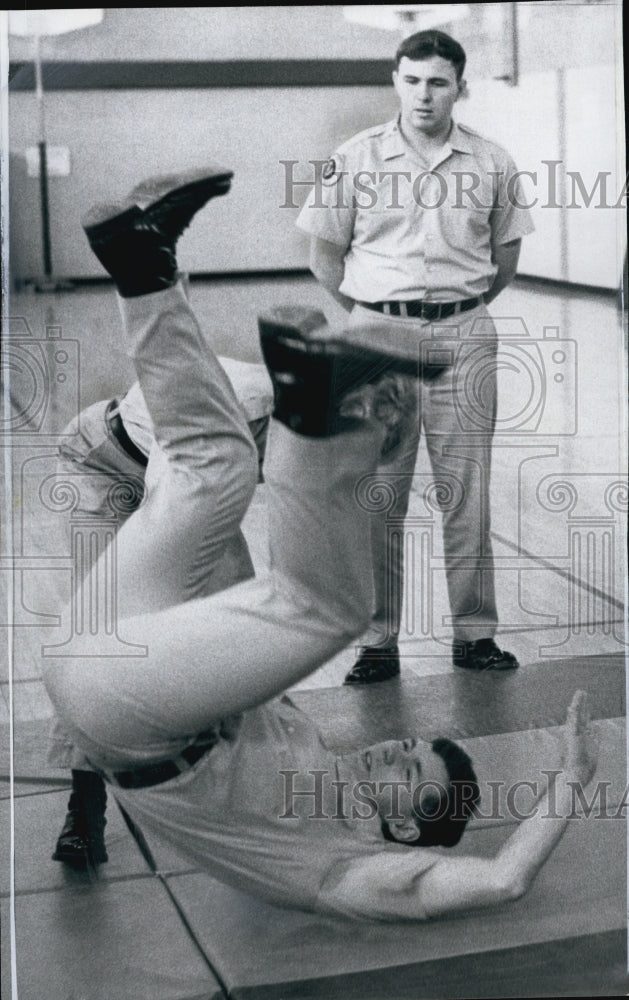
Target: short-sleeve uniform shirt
{"type": "Point", "coordinates": [240, 814]}
{"type": "Point", "coordinates": [413, 232]}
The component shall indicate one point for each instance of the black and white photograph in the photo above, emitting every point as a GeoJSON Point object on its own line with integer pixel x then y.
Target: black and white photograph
{"type": "Point", "coordinates": [313, 537]}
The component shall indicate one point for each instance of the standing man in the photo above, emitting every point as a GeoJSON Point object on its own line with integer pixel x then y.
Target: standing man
{"type": "Point", "coordinates": [421, 220]}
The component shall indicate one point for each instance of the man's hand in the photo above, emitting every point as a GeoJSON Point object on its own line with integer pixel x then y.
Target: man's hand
{"type": "Point", "coordinates": [580, 751]}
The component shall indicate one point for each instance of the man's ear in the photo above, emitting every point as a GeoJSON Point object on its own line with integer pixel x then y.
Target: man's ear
{"type": "Point", "coordinates": [463, 91]}
{"type": "Point", "coordinates": [404, 832]}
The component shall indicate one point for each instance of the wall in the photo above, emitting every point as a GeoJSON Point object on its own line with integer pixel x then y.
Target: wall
{"type": "Point", "coordinates": [552, 35]}
{"type": "Point", "coordinates": [250, 131]}
{"type": "Point", "coordinates": [306, 32]}
{"type": "Point", "coordinates": [565, 107]}
{"type": "Point", "coordinates": [568, 116]}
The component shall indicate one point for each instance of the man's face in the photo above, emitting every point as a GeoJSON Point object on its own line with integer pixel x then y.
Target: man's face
{"type": "Point", "coordinates": [409, 761]}
{"type": "Point", "coordinates": [428, 90]}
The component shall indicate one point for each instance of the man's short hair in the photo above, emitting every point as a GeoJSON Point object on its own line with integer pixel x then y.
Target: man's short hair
{"type": "Point", "coordinates": [424, 44]}
{"type": "Point", "coordinates": [443, 817]}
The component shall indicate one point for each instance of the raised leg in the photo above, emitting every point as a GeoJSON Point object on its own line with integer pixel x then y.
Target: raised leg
{"type": "Point", "coordinates": [213, 657]}
{"type": "Point", "coordinates": [220, 655]}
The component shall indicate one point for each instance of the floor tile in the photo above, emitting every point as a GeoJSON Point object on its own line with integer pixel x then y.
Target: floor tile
{"type": "Point", "coordinates": [96, 944]}
{"type": "Point", "coordinates": [38, 822]}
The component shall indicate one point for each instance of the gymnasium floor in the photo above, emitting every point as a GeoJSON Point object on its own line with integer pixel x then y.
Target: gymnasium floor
{"type": "Point", "coordinates": [559, 503]}
{"type": "Point", "coordinates": [551, 479]}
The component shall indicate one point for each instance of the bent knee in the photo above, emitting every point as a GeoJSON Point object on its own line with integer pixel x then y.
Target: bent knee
{"type": "Point", "coordinates": [86, 714]}
{"type": "Point", "coordinates": [60, 681]}
{"type": "Point", "coordinates": [222, 486]}
{"type": "Point", "coordinates": [233, 476]}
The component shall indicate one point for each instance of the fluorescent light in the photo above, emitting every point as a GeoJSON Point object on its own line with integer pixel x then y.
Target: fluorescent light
{"type": "Point", "coordinates": [413, 17]}
{"type": "Point", "coordinates": [52, 22]}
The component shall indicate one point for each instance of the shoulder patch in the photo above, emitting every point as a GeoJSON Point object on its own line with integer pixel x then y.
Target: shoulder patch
{"type": "Point", "coordinates": [332, 169]}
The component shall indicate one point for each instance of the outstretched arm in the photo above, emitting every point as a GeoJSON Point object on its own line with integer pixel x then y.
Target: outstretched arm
{"type": "Point", "coordinates": [398, 886]}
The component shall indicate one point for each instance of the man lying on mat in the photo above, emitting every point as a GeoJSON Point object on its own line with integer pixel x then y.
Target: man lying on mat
{"type": "Point", "coordinates": [194, 738]}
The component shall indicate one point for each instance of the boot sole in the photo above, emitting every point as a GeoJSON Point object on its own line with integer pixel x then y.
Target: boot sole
{"type": "Point", "coordinates": [372, 349]}
{"type": "Point", "coordinates": [108, 219]}
{"type": "Point", "coordinates": [79, 860]}
{"type": "Point", "coordinates": [498, 667]}
{"type": "Point", "coordinates": [379, 679]}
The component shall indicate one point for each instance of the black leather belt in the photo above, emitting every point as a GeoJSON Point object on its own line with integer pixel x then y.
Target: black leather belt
{"type": "Point", "coordinates": [164, 770]}
{"type": "Point", "coordinates": [420, 309]}
{"type": "Point", "coordinates": [117, 428]}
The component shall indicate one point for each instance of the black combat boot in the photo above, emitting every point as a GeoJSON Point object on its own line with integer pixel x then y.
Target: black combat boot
{"type": "Point", "coordinates": [135, 239]}
{"type": "Point", "coordinates": [314, 367]}
{"type": "Point", "coordinates": [81, 842]}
